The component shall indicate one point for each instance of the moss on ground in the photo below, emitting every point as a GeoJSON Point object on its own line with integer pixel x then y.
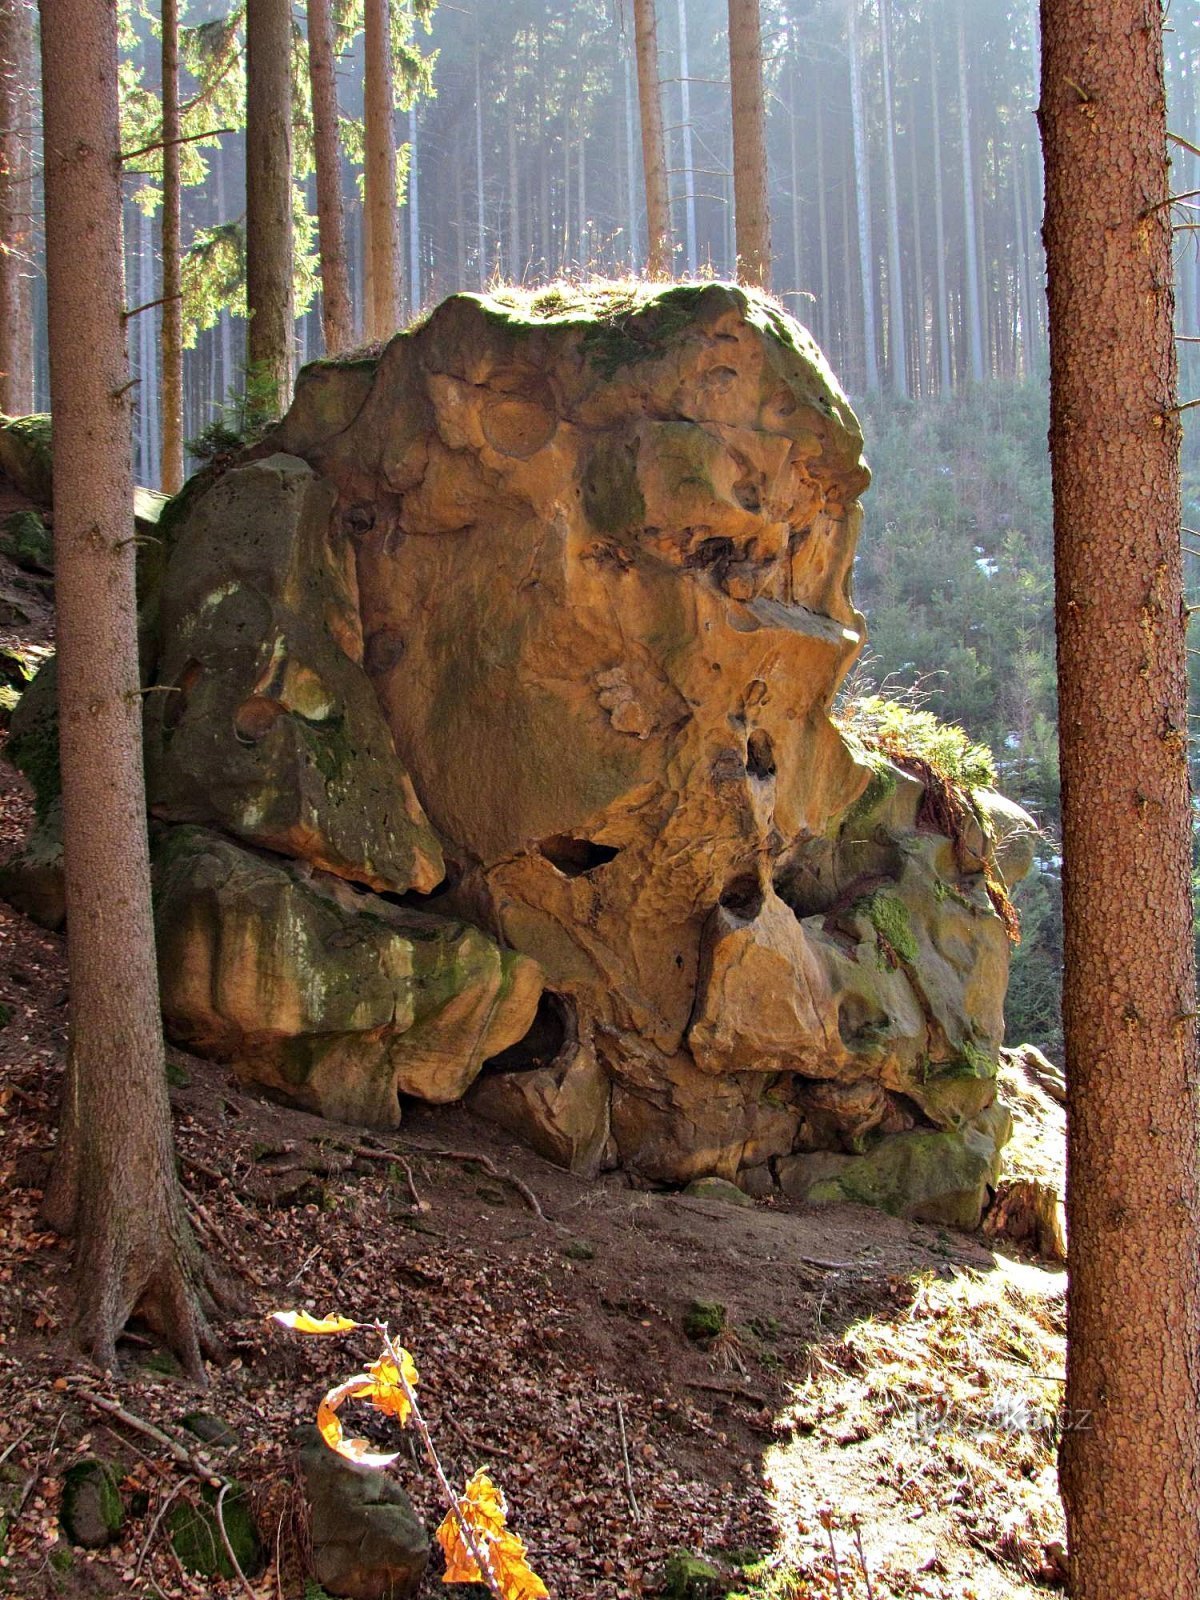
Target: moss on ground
{"type": "Point", "coordinates": [196, 1534]}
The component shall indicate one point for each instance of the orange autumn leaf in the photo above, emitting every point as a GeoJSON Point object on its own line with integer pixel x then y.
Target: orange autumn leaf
{"type": "Point", "coordinates": [329, 1424]}
{"type": "Point", "coordinates": [387, 1393]}
{"type": "Point", "coordinates": [483, 1509]}
{"type": "Point", "coordinates": [301, 1322]}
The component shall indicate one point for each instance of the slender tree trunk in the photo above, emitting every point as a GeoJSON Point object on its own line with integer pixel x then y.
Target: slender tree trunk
{"type": "Point", "coordinates": [414, 212]}
{"type": "Point", "coordinates": [269, 199]}
{"type": "Point", "coordinates": [172, 263]}
{"type": "Point", "coordinates": [16, 206]}
{"type": "Point", "coordinates": [794, 155]}
{"type": "Point", "coordinates": [685, 129]}
{"type": "Point", "coordinates": [918, 367]}
{"type": "Point", "coordinates": [480, 234]}
{"type": "Point", "coordinates": [974, 317]}
{"type": "Point", "coordinates": [383, 274]}
{"type": "Point", "coordinates": [337, 320]}
{"type": "Point", "coordinates": [1131, 1454]}
{"type": "Point", "coordinates": [654, 150]}
{"type": "Point", "coordinates": [897, 341]}
{"type": "Point", "coordinates": [751, 205]}
{"type": "Point", "coordinates": [114, 1180]}
{"type": "Point", "coordinates": [862, 186]}
{"type": "Point", "coordinates": [939, 221]}
{"type": "Point", "coordinates": [514, 200]}
{"type": "Point", "coordinates": [824, 321]}
{"type": "Point", "coordinates": [631, 218]}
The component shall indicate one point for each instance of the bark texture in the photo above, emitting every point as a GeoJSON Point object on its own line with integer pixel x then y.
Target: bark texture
{"type": "Point", "coordinates": [269, 198]}
{"type": "Point", "coordinates": [752, 212]}
{"type": "Point", "coordinates": [172, 247]}
{"type": "Point", "coordinates": [337, 316]}
{"type": "Point", "coordinates": [115, 1177]}
{"type": "Point", "coordinates": [383, 273]}
{"type": "Point", "coordinates": [654, 150]}
{"type": "Point", "coordinates": [1130, 1464]}
{"type": "Point", "coordinates": [16, 206]}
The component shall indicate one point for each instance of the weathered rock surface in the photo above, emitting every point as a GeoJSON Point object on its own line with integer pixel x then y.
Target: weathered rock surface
{"type": "Point", "coordinates": [266, 726]}
{"type": "Point", "coordinates": [567, 588]}
{"type": "Point", "coordinates": [367, 1541]}
{"type": "Point", "coordinates": [337, 1000]}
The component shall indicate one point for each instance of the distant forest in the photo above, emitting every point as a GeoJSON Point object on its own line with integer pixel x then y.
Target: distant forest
{"type": "Point", "coordinates": [905, 175]}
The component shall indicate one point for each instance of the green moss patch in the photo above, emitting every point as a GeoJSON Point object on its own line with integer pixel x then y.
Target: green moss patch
{"type": "Point", "coordinates": [92, 1513]}
{"type": "Point", "coordinates": [196, 1535]}
{"type": "Point", "coordinates": [704, 1319]}
{"type": "Point", "coordinates": [889, 917]}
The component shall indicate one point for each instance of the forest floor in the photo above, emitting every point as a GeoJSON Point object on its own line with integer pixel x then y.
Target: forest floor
{"type": "Point", "coordinates": [877, 1417]}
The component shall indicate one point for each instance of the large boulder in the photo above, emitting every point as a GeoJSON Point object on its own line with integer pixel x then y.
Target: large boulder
{"type": "Point", "coordinates": [553, 597]}
{"type": "Point", "coordinates": [338, 1001]}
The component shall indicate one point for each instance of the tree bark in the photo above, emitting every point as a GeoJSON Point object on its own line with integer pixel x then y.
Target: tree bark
{"type": "Point", "coordinates": [896, 340]}
{"type": "Point", "coordinates": [383, 275]}
{"type": "Point", "coordinates": [685, 130]}
{"type": "Point", "coordinates": [939, 216]}
{"type": "Point", "coordinates": [16, 206]}
{"type": "Point", "coordinates": [114, 1179]}
{"type": "Point", "coordinates": [1131, 1453]}
{"type": "Point", "coordinates": [973, 314]}
{"type": "Point", "coordinates": [752, 212]}
{"type": "Point", "coordinates": [337, 318]}
{"type": "Point", "coordinates": [172, 250]}
{"type": "Point", "coordinates": [862, 189]}
{"type": "Point", "coordinates": [654, 151]}
{"type": "Point", "coordinates": [269, 200]}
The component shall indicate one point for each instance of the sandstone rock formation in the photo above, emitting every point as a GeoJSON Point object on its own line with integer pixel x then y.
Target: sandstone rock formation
{"type": "Point", "coordinates": [533, 623]}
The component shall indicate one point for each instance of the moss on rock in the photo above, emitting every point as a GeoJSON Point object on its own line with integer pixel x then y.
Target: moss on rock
{"type": "Point", "coordinates": [92, 1512]}
{"type": "Point", "coordinates": [196, 1534]}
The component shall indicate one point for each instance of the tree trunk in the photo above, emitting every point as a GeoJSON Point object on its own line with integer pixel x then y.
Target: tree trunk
{"type": "Point", "coordinates": [269, 201]}
{"type": "Point", "coordinates": [337, 319]}
{"type": "Point", "coordinates": [685, 129]}
{"type": "Point", "coordinates": [752, 213]}
{"type": "Point", "coordinates": [480, 231]}
{"type": "Point", "coordinates": [383, 275]}
{"type": "Point", "coordinates": [974, 318]}
{"type": "Point", "coordinates": [16, 206]}
{"type": "Point", "coordinates": [631, 213]}
{"type": "Point", "coordinates": [862, 189]}
{"type": "Point", "coordinates": [414, 213]}
{"type": "Point", "coordinates": [172, 252]}
{"type": "Point", "coordinates": [654, 150]}
{"type": "Point", "coordinates": [896, 340]}
{"type": "Point", "coordinates": [825, 317]}
{"type": "Point", "coordinates": [939, 220]}
{"type": "Point", "coordinates": [1131, 1452]}
{"type": "Point", "coordinates": [114, 1179]}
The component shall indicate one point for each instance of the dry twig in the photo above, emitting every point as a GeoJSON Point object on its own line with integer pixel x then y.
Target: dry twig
{"type": "Point", "coordinates": [633, 1505]}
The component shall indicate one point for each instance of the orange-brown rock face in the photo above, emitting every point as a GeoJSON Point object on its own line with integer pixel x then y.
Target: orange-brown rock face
{"type": "Point", "coordinates": [601, 565]}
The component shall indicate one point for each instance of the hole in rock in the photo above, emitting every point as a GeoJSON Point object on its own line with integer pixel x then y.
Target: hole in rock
{"type": "Point", "coordinates": [710, 553]}
{"type": "Point", "coordinates": [760, 755]}
{"type": "Point", "coordinates": [574, 858]}
{"type": "Point", "coordinates": [859, 1023]}
{"type": "Point", "coordinates": [358, 520]}
{"type": "Point", "coordinates": [748, 495]}
{"type": "Point", "coordinates": [415, 900]}
{"type": "Point", "coordinates": [743, 897]}
{"type": "Point", "coordinates": [553, 1027]}
{"type": "Point", "coordinates": [383, 651]}
{"type": "Point", "coordinates": [255, 718]}
{"type": "Point", "coordinates": [177, 703]}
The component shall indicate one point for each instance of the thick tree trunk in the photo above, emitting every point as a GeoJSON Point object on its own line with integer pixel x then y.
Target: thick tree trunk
{"type": "Point", "coordinates": [414, 213]}
{"type": "Point", "coordinates": [1131, 1455]}
{"type": "Point", "coordinates": [383, 271]}
{"type": "Point", "coordinates": [16, 206]}
{"type": "Point", "coordinates": [337, 319]}
{"type": "Point", "coordinates": [115, 1176]}
{"type": "Point", "coordinates": [654, 150]}
{"type": "Point", "coordinates": [172, 259]}
{"type": "Point", "coordinates": [862, 189]}
{"type": "Point", "coordinates": [269, 200]}
{"type": "Point", "coordinates": [752, 213]}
